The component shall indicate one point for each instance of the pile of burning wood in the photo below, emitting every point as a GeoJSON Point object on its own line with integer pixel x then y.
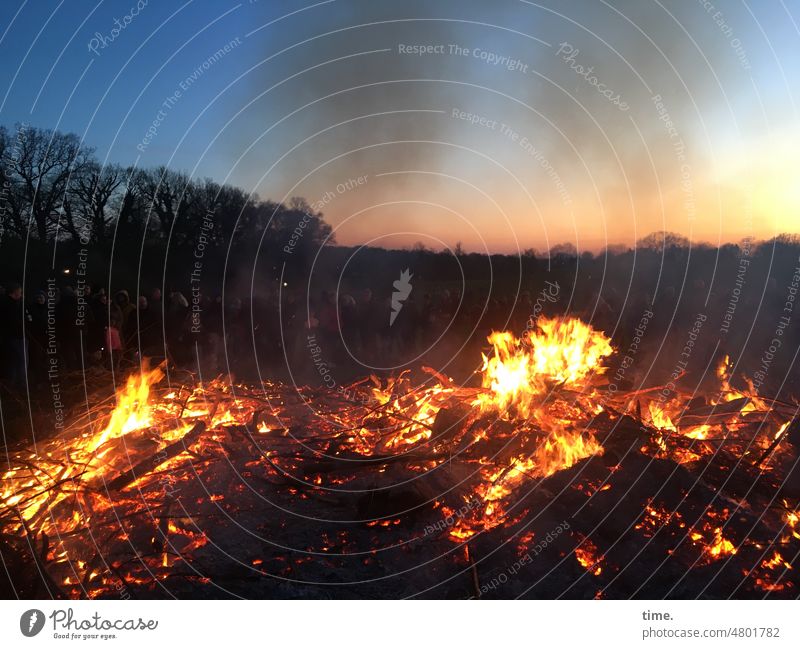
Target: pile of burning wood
{"type": "Point", "coordinates": [542, 482]}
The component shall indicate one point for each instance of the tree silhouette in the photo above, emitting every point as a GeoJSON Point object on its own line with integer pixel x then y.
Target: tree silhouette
{"type": "Point", "coordinates": [663, 241]}
{"type": "Point", "coordinates": [39, 175]}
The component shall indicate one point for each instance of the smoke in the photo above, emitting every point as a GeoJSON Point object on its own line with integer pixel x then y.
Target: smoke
{"type": "Point", "coordinates": [590, 122]}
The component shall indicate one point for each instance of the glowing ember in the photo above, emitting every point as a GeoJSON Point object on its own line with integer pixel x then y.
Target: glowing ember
{"type": "Point", "coordinates": [660, 419]}
{"type": "Point", "coordinates": [587, 555]}
{"type": "Point", "coordinates": [730, 393]}
{"type": "Point", "coordinates": [656, 518]}
{"type": "Point", "coordinates": [792, 518]}
{"type": "Point", "coordinates": [699, 432]}
{"type": "Point", "coordinates": [119, 475]}
{"type": "Point", "coordinates": [775, 562]}
{"type": "Point", "coordinates": [720, 546]}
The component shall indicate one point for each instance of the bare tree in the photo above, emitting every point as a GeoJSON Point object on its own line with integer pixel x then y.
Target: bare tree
{"type": "Point", "coordinates": [90, 199]}
{"type": "Point", "coordinates": [167, 193]}
{"type": "Point", "coordinates": [128, 204]}
{"type": "Point", "coordinates": [563, 251]}
{"type": "Point", "coordinates": [285, 219]}
{"type": "Point", "coordinates": [13, 214]}
{"type": "Point", "coordinates": [40, 175]}
{"type": "Point", "coordinates": [53, 185]}
{"type": "Point", "coordinates": [5, 186]}
{"type": "Point", "coordinates": [663, 241]}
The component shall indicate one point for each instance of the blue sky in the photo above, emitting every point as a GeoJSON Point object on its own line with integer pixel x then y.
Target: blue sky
{"type": "Point", "coordinates": [313, 93]}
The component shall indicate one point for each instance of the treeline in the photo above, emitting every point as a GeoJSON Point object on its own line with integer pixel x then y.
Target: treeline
{"type": "Point", "coordinates": [54, 192]}
{"type": "Point", "coordinates": [60, 207]}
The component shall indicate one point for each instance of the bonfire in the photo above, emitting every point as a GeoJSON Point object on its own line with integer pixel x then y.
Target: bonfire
{"type": "Point", "coordinates": [247, 490]}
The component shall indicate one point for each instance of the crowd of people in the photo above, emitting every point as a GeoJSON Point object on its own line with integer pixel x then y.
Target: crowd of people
{"type": "Point", "coordinates": [63, 327]}
{"type": "Point", "coordinates": [274, 329]}
{"type": "Point", "coordinates": [290, 335]}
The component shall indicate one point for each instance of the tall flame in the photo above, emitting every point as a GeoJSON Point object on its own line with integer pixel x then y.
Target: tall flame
{"type": "Point", "coordinates": [132, 411]}
{"type": "Point", "coordinates": [557, 350]}
{"type": "Point", "coordinates": [729, 393]}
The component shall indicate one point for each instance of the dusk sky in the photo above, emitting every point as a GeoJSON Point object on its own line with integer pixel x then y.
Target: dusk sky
{"type": "Point", "coordinates": [503, 125]}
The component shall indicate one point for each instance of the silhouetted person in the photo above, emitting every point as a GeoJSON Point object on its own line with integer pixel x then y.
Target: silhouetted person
{"type": "Point", "coordinates": [67, 331]}
{"type": "Point", "coordinates": [329, 327]}
{"type": "Point", "coordinates": [149, 329]}
{"type": "Point", "coordinates": [14, 321]}
{"type": "Point", "coordinates": [175, 318]}
{"type": "Point", "coordinates": [128, 312]}
{"type": "Point", "coordinates": [37, 338]}
{"type": "Point", "coordinates": [156, 308]}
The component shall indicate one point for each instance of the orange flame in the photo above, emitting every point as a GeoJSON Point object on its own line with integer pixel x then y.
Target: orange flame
{"type": "Point", "coordinates": [558, 350]}
{"type": "Point", "coordinates": [587, 555]}
{"type": "Point", "coordinates": [660, 419]}
{"type": "Point", "coordinates": [721, 546]}
{"type": "Point", "coordinates": [729, 393]}
{"type": "Point", "coordinates": [132, 411]}
{"type": "Point", "coordinates": [550, 431]}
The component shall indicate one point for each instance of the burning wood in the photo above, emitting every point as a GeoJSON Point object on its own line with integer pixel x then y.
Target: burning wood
{"type": "Point", "coordinates": [285, 475]}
